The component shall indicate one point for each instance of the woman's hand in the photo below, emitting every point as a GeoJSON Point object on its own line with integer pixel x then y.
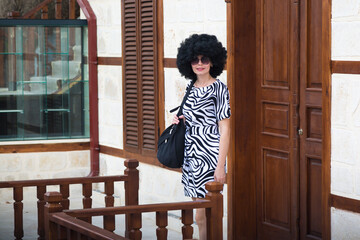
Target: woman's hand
{"type": "Point", "coordinates": [220, 175]}
{"type": "Point", "coordinates": [176, 119]}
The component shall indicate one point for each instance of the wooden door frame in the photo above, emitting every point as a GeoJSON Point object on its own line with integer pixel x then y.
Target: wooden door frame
{"type": "Point", "coordinates": [242, 84]}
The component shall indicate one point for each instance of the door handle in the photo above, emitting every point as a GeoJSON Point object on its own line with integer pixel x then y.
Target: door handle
{"type": "Point", "coordinates": [300, 131]}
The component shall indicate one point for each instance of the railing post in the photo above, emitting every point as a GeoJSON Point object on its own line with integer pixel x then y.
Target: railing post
{"type": "Point", "coordinates": [40, 191]}
{"type": "Point", "coordinates": [44, 12]}
{"type": "Point", "coordinates": [161, 222]}
{"type": "Point", "coordinates": [18, 212]}
{"type": "Point", "coordinates": [13, 15]}
{"type": "Point", "coordinates": [72, 8]}
{"type": "Point", "coordinates": [214, 215]}
{"type": "Point", "coordinates": [58, 9]}
{"type": "Point", "coordinates": [65, 192]}
{"type": "Point", "coordinates": [131, 190]}
{"type": "Point", "coordinates": [53, 205]}
{"type": "Point", "coordinates": [109, 221]}
{"type": "Point", "coordinates": [87, 201]}
{"type": "Point", "coordinates": [187, 220]}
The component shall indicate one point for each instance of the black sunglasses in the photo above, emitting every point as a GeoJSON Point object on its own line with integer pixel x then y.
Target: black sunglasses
{"type": "Point", "coordinates": [204, 60]}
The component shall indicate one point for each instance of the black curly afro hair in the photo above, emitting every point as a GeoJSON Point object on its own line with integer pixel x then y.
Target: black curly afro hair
{"type": "Point", "coordinates": [203, 44]}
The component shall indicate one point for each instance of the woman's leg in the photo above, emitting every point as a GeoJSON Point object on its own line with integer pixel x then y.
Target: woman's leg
{"type": "Point", "coordinates": [200, 219]}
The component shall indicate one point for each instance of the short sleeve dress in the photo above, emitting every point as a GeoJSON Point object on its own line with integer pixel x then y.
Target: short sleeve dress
{"type": "Point", "coordinates": [203, 109]}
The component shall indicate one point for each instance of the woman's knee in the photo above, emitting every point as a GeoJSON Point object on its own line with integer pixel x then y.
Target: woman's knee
{"type": "Point", "coordinates": [200, 216]}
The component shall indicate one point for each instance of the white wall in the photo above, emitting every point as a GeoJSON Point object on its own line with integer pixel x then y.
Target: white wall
{"type": "Point", "coordinates": [345, 117]}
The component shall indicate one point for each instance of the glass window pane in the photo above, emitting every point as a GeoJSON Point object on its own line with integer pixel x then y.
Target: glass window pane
{"type": "Point", "coordinates": [33, 117]}
{"type": "Point", "coordinates": [58, 124]}
{"type": "Point", "coordinates": [43, 94]}
{"type": "Point", "coordinates": [56, 40]}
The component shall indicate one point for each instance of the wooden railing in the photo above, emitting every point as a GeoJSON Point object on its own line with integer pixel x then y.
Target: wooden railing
{"type": "Point", "coordinates": [66, 224]}
{"type": "Point", "coordinates": [43, 8]}
{"type": "Point", "coordinates": [130, 179]}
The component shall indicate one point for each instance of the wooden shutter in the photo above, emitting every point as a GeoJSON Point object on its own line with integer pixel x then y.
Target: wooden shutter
{"type": "Point", "coordinates": [140, 121]}
{"type": "Point", "coordinates": [130, 76]}
{"type": "Point", "coordinates": [148, 75]}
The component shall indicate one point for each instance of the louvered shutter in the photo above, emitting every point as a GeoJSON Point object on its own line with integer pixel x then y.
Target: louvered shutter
{"type": "Point", "coordinates": [130, 75]}
{"type": "Point", "coordinates": [148, 74]}
{"type": "Point", "coordinates": [140, 121]}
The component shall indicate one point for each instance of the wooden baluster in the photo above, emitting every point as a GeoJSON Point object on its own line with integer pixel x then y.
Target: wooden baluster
{"type": "Point", "coordinates": [72, 234]}
{"type": "Point", "coordinates": [40, 191]}
{"type": "Point", "coordinates": [83, 237]}
{"type": "Point", "coordinates": [161, 222]}
{"type": "Point", "coordinates": [44, 12]}
{"type": "Point", "coordinates": [58, 9]}
{"type": "Point", "coordinates": [72, 8]}
{"type": "Point", "coordinates": [18, 212]}
{"type": "Point", "coordinates": [135, 226]}
{"type": "Point", "coordinates": [214, 215]}
{"type": "Point", "coordinates": [65, 192]}
{"type": "Point", "coordinates": [187, 219]}
{"type": "Point", "coordinates": [13, 15]}
{"type": "Point", "coordinates": [131, 189]}
{"type": "Point", "coordinates": [87, 201]}
{"type": "Point", "coordinates": [53, 205]}
{"type": "Point", "coordinates": [109, 221]}
{"type": "Point", "coordinates": [62, 232]}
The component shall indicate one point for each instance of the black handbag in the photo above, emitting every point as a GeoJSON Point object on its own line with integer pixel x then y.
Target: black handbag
{"type": "Point", "coordinates": [172, 141]}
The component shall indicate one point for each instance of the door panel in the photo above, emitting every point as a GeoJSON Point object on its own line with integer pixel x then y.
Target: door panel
{"type": "Point", "coordinates": [277, 119]}
{"type": "Point", "coordinates": [310, 120]}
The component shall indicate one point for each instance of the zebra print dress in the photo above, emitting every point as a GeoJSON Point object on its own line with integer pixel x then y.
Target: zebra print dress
{"type": "Point", "coordinates": [203, 109]}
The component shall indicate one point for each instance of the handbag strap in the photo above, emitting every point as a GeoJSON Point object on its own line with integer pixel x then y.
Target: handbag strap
{"type": "Point", "coordinates": [183, 101]}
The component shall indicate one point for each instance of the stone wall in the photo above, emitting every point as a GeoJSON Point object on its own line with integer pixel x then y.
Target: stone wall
{"type": "Point", "coordinates": [345, 118]}
{"type": "Point", "coordinates": [41, 165]}
{"type": "Point", "coordinates": [108, 17]}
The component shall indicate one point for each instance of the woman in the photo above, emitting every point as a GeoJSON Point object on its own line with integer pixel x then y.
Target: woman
{"type": "Point", "coordinates": [206, 113]}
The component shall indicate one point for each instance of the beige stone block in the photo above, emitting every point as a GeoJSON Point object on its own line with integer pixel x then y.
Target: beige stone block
{"type": "Point", "coordinates": [194, 11]}
{"type": "Point", "coordinates": [10, 178]}
{"type": "Point", "coordinates": [345, 39]}
{"type": "Point", "coordinates": [342, 179]}
{"type": "Point", "coordinates": [72, 172]}
{"type": "Point", "coordinates": [111, 112]}
{"type": "Point", "coordinates": [114, 165]}
{"type": "Point", "coordinates": [24, 176]}
{"type": "Point", "coordinates": [52, 161]}
{"type": "Point", "coordinates": [13, 164]}
{"type": "Point", "coordinates": [344, 146]}
{"type": "Point", "coordinates": [344, 224]}
{"type": "Point", "coordinates": [339, 100]}
{"type": "Point", "coordinates": [42, 175]}
{"type": "Point", "coordinates": [215, 10]}
{"type": "Point", "coordinates": [111, 136]}
{"type": "Point", "coordinates": [357, 182]}
{"type": "Point", "coordinates": [345, 8]}
{"type": "Point", "coordinates": [29, 164]}
{"type": "Point", "coordinates": [6, 195]}
{"type": "Point", "coordinates": [79, 159]}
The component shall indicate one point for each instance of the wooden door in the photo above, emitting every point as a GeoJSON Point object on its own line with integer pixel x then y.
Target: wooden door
{"type": "Point", "coordinates": [277, 142]}
{"type": "Point", "coordinates": [276, 185]}
{"type": "Point", "coordinates": [310, 119]}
